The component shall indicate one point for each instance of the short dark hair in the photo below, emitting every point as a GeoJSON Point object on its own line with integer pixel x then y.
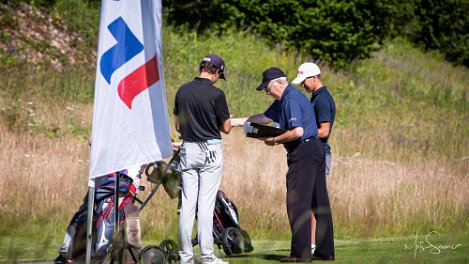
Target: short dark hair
{"type": "Point", "coordinates": [206, 66]}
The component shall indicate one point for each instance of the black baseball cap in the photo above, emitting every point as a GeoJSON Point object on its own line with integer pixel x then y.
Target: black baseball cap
{"type": "Point", "coordinates": [269, 75]}
{"type": "Point", "coordinates": [217, 61]}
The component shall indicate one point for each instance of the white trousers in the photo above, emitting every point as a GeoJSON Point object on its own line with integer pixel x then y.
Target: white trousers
{"type": "Point", "coordinates": [201, 166]}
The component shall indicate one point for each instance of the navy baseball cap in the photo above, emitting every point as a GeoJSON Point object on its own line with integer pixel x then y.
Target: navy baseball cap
{"type": "Point", "coordinates": [217, 61]}
{"type": "Point", "coordinates": [269, 75]}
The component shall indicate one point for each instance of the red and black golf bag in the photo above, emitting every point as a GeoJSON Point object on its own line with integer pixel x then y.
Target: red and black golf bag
{"type": "Point", "coordinates": [74, 244]}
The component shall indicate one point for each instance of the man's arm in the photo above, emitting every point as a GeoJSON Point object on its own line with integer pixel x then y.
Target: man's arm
{"type": "Point", "coordinates": [324, 129]}
{"type": "Point", "coordinates": [226, 126]}
{"type": "Point", "coordinates": [176, 123]}
{"type": "Point", "coordinates": [290, 135]}
{"type": "Point", "coordinates": [235, 122]}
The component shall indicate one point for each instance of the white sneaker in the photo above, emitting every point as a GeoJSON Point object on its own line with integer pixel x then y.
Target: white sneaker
{"type": "Point", "coordinates": [213, 260]}
{"type": "Point", "coordinates": [313, 248]}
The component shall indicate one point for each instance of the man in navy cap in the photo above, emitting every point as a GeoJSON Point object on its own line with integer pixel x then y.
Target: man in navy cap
{"type": "Point", "coordinates": [201, 112]}
{"type": "Point", "coordinates": [306, 164]}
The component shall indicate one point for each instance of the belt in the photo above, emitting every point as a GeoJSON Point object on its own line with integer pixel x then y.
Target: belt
{"type": "Point", "coordinates": [214, 141]}
{"type": "Point", "coordinates": [290, 149]}
{"type": "Point", "coordinates": [208, 142]}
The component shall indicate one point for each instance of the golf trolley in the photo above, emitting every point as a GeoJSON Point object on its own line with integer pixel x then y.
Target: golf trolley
{"type": "Point", "coordinates": [227, 233]}
{"type": "Point", "coordinates": [117, 239]}
{"type": "Point", "coordinates": [158, 173]}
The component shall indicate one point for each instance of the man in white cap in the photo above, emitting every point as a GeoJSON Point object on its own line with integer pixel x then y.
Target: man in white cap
{"type": "Point", "coordinates": [309, 76]}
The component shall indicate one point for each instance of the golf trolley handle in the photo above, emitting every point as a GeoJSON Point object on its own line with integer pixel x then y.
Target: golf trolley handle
{"type": "Point", "coordinates": [131, 248]}
{"type": "Point", "coordinates": [158, 183]}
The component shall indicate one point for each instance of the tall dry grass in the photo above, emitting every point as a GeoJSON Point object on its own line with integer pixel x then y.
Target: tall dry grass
{"type": "Point", "coordinates": [368, 197]}
{"type": "Point", "coordinates": [44, 181]}
{"type": "Point", "coordinates": [43, 177]}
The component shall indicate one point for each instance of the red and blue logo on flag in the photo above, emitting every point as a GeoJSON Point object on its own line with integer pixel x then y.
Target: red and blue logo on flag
{"type": "Point", "coordinates": [127, 47]}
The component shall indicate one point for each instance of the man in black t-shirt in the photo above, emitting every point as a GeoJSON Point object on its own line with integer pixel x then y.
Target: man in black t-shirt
{"type": "Point", "coordinates": [309, 76]}
{"type": "Point", "coordinates": [201, 112]}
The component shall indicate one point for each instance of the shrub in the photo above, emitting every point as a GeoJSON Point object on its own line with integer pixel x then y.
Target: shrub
{"type": "Point", "coordinates": [443, 26]}
{"type": "Point", "coordinates": [335, 31]}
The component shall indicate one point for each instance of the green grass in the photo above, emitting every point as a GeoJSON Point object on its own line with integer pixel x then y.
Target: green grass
{"type": "Point", "coordinates": [443, 248]}
{"type": "Point", "coordinates": [400, 105]}
{"type": "Point", "coordinates": [415, 100]}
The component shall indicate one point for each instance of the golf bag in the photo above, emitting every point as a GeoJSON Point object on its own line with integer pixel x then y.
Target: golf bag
{"type": "Point", "coordinates": [74, 244]}
{"type": "Point", "coordinates": [226, 228]}
{"type": "Point", "coordinates": [227, 232]}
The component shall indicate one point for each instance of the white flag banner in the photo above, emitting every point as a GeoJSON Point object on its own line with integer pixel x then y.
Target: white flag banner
{"type": "Point", "coordinates": [130, 118]}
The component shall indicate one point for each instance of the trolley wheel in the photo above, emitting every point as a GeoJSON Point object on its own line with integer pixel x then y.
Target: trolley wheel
{"type": "Point", "coordinates": [153, 255]}
{"type": "Point", "coordinates": [172, 250]}
{"type": "Point", "coordinates": [232, 241]}
{"type": "Point", "coordinates": [247, 241]}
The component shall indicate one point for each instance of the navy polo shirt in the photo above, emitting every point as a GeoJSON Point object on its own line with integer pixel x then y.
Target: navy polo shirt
{"type": "Point", "coordinates": [294, 110]}
{"type": "Point", "coordinates": [324, 110]}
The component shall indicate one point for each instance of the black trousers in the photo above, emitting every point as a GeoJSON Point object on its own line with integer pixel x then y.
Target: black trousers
{"type": "Point", "coordinates": [306, 190]}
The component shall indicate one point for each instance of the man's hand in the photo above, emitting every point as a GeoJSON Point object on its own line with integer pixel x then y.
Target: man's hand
{"type": "Point", "coordinates": [269, 141]}
{"type": "Point", "coordinates": [176, 146]}
{"type": "Point", "coordinates": [238, 121]}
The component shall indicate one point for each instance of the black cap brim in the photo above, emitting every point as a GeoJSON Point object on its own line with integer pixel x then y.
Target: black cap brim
{"type": "Point", "coordinates": [262, 86]}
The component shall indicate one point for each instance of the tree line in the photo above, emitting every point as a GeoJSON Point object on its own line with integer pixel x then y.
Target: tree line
{"type": "Point", "coordinates": [334, 31]}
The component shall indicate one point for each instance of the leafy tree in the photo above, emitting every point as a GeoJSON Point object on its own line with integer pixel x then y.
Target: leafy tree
{"type": "Point", "coordinates": [334, 30]}
{"type": "Point", "coordinates": [442, 25]}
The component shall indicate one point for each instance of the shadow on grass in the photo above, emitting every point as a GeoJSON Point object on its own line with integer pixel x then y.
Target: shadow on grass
{"type": "Point", "coordinates": [274, 256]}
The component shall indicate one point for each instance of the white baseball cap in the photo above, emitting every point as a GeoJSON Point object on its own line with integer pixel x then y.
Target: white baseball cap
{"type": "Point", "coordinates": [307, 69]}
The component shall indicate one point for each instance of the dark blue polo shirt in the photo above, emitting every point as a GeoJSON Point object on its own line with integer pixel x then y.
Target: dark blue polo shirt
{"type": "Point", "coordinates": [324, 110]}
{"type": "Point", "coordinates": [294, 110]}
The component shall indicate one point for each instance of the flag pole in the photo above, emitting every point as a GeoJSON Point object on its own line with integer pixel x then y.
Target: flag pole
{"type": "Point", "coordinates": [89, 223]}
{"type": "Point", "coordinates": [129, 53]}
{"type": "Point", "coordinates": [116, 213]}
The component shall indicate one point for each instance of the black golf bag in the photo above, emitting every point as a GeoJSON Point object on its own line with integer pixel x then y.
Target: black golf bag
{"type": "Point", "coordinates": [227, 232]}
{"type": "Point", "coordinates": [74, 245]}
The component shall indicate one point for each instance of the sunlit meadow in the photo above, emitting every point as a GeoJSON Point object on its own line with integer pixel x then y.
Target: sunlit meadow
{"type": "Point", "coordinates": [400, 144]}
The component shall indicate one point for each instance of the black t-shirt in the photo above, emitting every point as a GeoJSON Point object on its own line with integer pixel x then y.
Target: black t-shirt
{"type": "Point", "coordinates": [201, 108]}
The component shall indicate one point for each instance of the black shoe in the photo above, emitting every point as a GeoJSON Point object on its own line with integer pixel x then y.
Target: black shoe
{"type": "Point", "coordinates": [61, 260]}
{"type": "Point", "coordinates": [320, 257]}
{"type": "Point", "coordinates": [295, 259]}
